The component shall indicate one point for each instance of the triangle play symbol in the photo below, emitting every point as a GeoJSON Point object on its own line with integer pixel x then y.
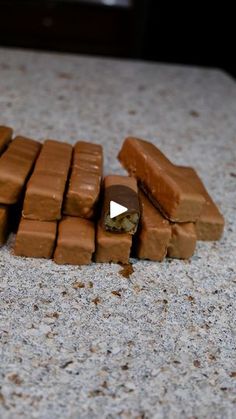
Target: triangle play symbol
{"type": "Point", "coordinates": [116, 209]}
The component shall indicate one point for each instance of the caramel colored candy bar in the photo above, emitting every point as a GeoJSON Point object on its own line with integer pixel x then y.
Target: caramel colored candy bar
{"type": "Point", "coordinates": [183, 241]}
{"type": "Point", "coordinates": [45, 189]}
{"type": "Point", "coordinates": [210, 224]}
{"type": "Point", "coordinates": [86, 147]}
{"type": "Point", "coordinates": [76, 241]}
{"type": "Point", "coordinates": [154, 233]}
{"type": "Point", "coordinates": [5, 137]}
{"type": "Point", "coordinates": [44, 195]}
{"type": "Point", "coordinates": [91, 163]}
{"type": "Point", "coordinates": [85, 181]}
{"type": "Point", "coordinates": [4, 223]}
{"type": "Point", "coordinates": [165, 183]}
{"type": "Point", "coordinates": [82, 194]}
{"type": "Point", "coordinates": [15, 166]}
{"type": "Point", "coordinates": [124, 191]}
{"type": "Point", "coordinates": [35, 239]}
{"type": "Point", "coordinates": [112, 247]}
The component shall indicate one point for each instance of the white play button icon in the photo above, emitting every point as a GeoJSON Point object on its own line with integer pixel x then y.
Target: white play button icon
{"type": "Point", "coordinates": [116, 209]}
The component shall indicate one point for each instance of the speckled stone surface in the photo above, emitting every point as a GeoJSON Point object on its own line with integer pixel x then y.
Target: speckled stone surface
{"type": "Point", "coordinates": [88, 342]}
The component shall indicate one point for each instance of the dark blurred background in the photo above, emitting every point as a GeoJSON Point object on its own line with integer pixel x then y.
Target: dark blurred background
{"type": "Point", "coordinates": [145, 29]}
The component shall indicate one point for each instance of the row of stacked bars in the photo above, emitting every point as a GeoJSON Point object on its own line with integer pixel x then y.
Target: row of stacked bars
{"type": "Point", "coordinates": [55, 191]}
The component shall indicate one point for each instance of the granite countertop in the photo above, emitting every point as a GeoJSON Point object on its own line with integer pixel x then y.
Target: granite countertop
{"type": "Point", "coordinates": [96, 342]}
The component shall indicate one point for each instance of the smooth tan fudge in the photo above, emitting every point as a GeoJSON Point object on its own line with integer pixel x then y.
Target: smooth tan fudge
{"type": "Point", "coordinates": [5, 137]}
{"type": "Point", "coordinates": [154, 232]}
{"type": "Point", "coordinates": [55, 157]}
{"type": "Point", "coordinates": [183, 241]}
{"type": "Point", "coordinates": [165, 184]}
{"type": "Point", "coordinates": [112, 247]}
{"type": "Point", "coordinates": [15, 167]}
{"type": "Point", "coordinates": [76, 241]}
{"type": "Point", "coordinates": [46, 187]}
{"type": "Point", "coordinates": [4, 223]}
{"type": "Point", "coordinates": [90, 148]}
{"type": "Point", "coordinates": [82, 195]}
{"type": "Point", "coordinates": [35, 239]}
{"type": "Point", "coordinates": [85, 180]}
{"type": "Point", "coordinates": [122, 190]}
{"type": "Point", "coordinates": [210, 224]}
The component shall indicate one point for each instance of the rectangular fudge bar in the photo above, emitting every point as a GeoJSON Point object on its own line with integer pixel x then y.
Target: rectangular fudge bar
{"type": "Point", "coordinates": [183, 241]}
{"type": "Point", "coordinates": [4, 223]}
{"type": "Point", "coordinates": [112, 247]}
{"type": "Point", "coordinates": [15, 166]}
{"type": "Point", "coordinates": [124, 191]}
{"type": "Point", "coordinates": [45, 189]}
{"type": "Point", "coordinates": [85, 180]}
{"type": "Point", "coordinates": [5, 137]}
{"type": "Point", "coordinates": [154, 233]}
{"type": "Point", "coordinates": [55, 157]}
{"type": "Point", "coordinates": [164, 182]}
{"type": "Point", "coordinates": [76, 241]}
{"type": "Point", "coordinates": [35, 239]}
{"type": "Point", "coordinates": [210, 224]}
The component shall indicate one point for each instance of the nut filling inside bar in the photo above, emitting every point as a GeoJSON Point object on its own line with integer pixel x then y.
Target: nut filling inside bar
{"type": "Point", "coordinates": [125, 196]}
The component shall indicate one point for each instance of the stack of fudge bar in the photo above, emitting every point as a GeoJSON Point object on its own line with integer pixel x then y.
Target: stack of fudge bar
{"type": "Point", "coordinates": [176, 209]}
{"type": "Point", "coordinates": [60, 204]}
{"type": "Point", "coordinates": [64, 204]}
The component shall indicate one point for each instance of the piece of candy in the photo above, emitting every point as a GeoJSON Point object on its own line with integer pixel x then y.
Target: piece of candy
{"type": "Point", "coordinates": [112, 247]}
{"type": "Point", "coordinates": [154, 232]}
{"type": "Point", "coordinates": [210, 224]}
{"type": "Point", "coordinates": [183, 241]}
{"type": "Point", "coordinates": [85, 180]}
{"type": "Point", "coordinates": [76, 241]}
{"type": "Point", "coordinates": [165, 184]}
{"type": "Point", "coordinates": [121, 190]}
{"type": "Point", "coordinates": [45, 189]}
{"type": "Point", "coordinates": [35, 239]}
{"type": "Point", "coordinates": [15, 167]}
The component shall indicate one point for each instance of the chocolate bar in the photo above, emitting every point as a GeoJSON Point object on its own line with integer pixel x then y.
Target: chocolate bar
{"type": "Point", "coordinates": [85, 180]}
{"type": "Point", "coordinates": [5, 137]}
{"type": "Point", "coordinates": [15, 166]}
{"type": "Point", "coordinates": [183, 241]}
{"type": "Point", "coordinates": [210, 224]}
{"type": "Point", "coordinates": [88, 157]}
{"type": "Point", "coordinates": [112, 247]}
{"type": "Point", "coordinates": [124, 191]}
{"type": "Point", "coordinates": [166, 185]}
{"type": "Point", "coordinates": [4, 223]}
{"type": "Point", "coordinates": [76, 241]}
{"type": "Point", "coordinates": [154, 232]}
{"type": "Point", "coordinates": [90, 148]}
{"type": "Point", "coordinates": [55, 157]}
{"type": "Point", "coordinates": [45, 189]}
{"type": "Point", "coordinates": [35, 239]}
